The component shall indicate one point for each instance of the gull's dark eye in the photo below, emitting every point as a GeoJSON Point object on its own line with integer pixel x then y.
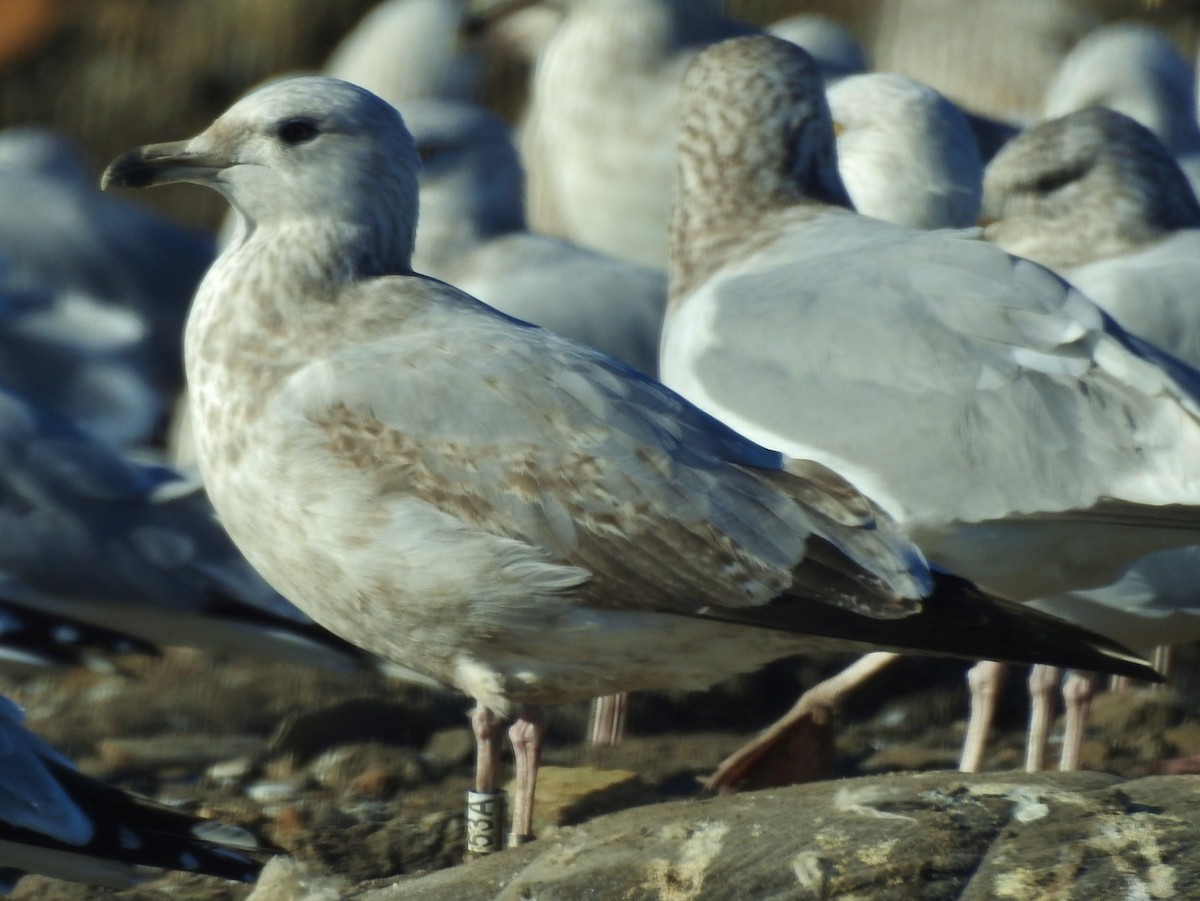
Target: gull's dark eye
{"type": "Point", "coordinates": [297, 131]}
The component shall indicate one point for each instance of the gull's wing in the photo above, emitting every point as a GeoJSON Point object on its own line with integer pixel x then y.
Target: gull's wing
{"type": "Point", "coordinates": [963, 389]}
{"type": "Point", "coordinates": [566, 451]}
{"type": "Point", "coordinates": [57, 821]}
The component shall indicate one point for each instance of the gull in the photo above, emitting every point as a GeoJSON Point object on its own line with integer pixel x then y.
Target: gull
{"type": "Point", "coordinates": [1096, 196]}
{"type": "Point", "coordinates": [408, 49]}
{"type": "Point", "coordinates": [510, 513]}
{"type": "Point", "coordinates": [82, 269]}
{"type": "Point", "coordinates": [905, 153]}
{"type": "Point", "coordinates": [471, 233]}
{"type": "Point", "coordinates": [599, 135]}
{"type": "Point", "coordinates": [58, 822]}
{"type": "Point", "coordinates": [1136, 70]}
{"type": "Point", "coordinates": [1010, 426]}
{"type": "Point", "coordinates": [831, 45]}
{"type": "Point", "coordinates": [33, 640]}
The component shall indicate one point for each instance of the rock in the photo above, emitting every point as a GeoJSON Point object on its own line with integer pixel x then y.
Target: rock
{"type": "Point", "coordinates": [930, 836]}
{"type": "Point", "coordinates": [369, 770]}
{"type": "Point", "coordinates": [160, 752]}
{"type": "Point", "coordinates": [567, 795]}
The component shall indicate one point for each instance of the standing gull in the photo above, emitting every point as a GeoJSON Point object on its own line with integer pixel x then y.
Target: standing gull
{"type": "Point", "coordinates": [1018, 434]}
{"type": "Point", "coordinates": [1095, 196]}
{"type": "Point", "coordinates": [504, 510]}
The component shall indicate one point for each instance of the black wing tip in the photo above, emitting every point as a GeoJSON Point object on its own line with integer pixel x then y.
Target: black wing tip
{"type": "Point", "coordinates": [957, 619]}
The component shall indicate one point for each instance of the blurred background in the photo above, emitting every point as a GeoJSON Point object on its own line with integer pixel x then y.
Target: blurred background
{"type": "Point", "coordinates": [118, 73]}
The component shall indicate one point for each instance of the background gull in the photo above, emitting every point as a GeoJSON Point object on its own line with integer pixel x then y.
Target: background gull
{"type": "Point", "coordinates": [1136, 70]}
{"type": "Point", "coordinates": [1097, 197]}
{"type": "Point", "coordinates": [408, 49]}
{"type": "Point", "coordinates": [90, 535]}
{"type": "Point", "coordinates": [599, 135]}
{"type": "Point", "coordinates": [93, 275]}
{"type": "Point", "coordinates": [471, 233]}
{"type": "Point", "coordinates": [905, 153]}
{"type": "Point", "coordinates": [57, 821]}
{"type": "Point", "coordinates": [833, 47]}
{"type": "Point", "coordinates": [447, 486]}
{"type": "Point", "coordinates": [1017, 433]}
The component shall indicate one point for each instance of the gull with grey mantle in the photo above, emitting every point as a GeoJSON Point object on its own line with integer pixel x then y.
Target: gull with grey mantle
{"type": "Point", "coordinates": [1020, 436]}
{"type": "Point", "coordinates": [504, 510]}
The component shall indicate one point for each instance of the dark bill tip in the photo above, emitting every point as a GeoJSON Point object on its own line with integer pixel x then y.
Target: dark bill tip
{"type": "Point", "coordinates": [130, 170]}
{"type": "Point", "coordinates": [157, 164]}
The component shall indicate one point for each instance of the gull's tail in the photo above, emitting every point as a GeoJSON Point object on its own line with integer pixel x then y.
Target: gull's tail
{"type": "Point", "coordinates": [957, 619]}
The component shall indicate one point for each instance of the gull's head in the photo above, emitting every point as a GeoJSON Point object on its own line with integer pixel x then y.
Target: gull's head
{"type": "Point", "coordinates": [1083, 185]}
{"type": "Point", "coordinates": [296, 148]}
{"type": "Point", "coordinates": [755, 128]}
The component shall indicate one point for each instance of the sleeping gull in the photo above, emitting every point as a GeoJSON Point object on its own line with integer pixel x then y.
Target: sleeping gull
{"type": "Point", "coordinates": [508, 512]}
{"type": "Point", "coordinates": [471, 232]}
{"type": "Point", "coordinates": [1136, 70]}
{"type": "Point", "coordinates": [905, 153]}
{"type": "Point", "coordinates": [1018, 434]}
{"type": "Point", "coordinates": [1095, 196]}
{"type": "Point", "coordinates": [56, 821]}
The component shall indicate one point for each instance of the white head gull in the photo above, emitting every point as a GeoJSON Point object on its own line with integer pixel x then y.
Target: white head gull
{"type": "Point", "coordinates": [905, 153]}
{"type": "Point", "coordinates": [504, 510]}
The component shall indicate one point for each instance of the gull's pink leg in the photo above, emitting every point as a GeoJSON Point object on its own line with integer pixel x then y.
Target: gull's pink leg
{"type": "Point", "coordinates": [485, 805]}
{"type": "Point", "coordinates": [984, 680]}
{"type": "Point", "coordinates": [814, 708]}
{"type": "Point", "coordinates": [1042, 683]}
{"type": "Point", "coordinates": [527, 735]}
{"type": "Point", "coordinates": [607, 725]}
{"type": "Point", "coordinates": [1078, 691]}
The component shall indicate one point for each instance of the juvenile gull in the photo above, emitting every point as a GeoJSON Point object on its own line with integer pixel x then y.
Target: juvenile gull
{"type": "Point", "coordinates": [1017, 433]}
{"type": "Point", "coordinates": [905, 153]}
{"type": "Point", "coordinates": [1136, 70]}
{"type": "Point", "coordinates": [510, 513]}
{"type": "Point", "coordinates": [1098, 198]}
{"type": "Point", "coordinates": [56, 821]}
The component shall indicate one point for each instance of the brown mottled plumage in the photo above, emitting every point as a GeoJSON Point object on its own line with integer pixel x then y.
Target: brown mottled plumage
{"type": "Point", "coordinates": [481, 500]}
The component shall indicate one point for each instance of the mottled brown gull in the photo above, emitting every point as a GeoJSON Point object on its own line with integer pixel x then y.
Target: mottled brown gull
{"type": "Point", "coordinates": [1020, 435]}
{"type": "Point", "coordinates": [1098, 198]}
{"type": "Point", "coordinates": [484, 501]}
